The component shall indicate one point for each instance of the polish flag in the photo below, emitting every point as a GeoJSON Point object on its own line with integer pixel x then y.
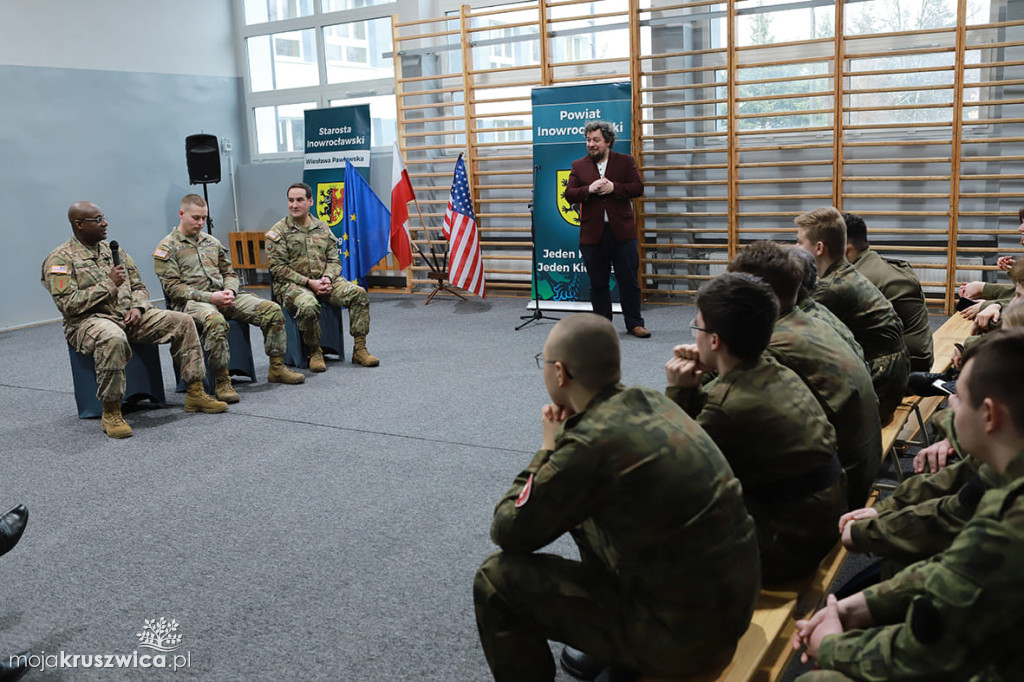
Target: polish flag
{"type": "Point", "coordinates": [401, 195]}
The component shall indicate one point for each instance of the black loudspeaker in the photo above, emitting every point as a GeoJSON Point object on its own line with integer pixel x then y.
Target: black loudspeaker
{"type": "Point", "coordinates": [203, 157]}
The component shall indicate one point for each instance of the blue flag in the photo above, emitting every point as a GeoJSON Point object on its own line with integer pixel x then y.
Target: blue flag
{"type": "Point", "coordinates": [364, 242]}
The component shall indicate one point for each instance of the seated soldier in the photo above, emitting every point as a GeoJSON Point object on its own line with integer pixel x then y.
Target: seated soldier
{"type": "Point", "coordinates": [805, 301]}
{"type": "Point", "coordinates": [949, 617]}
{"type": "Point", "coordinates": [655, 511]}
{"type": "Point", "coordinates": [106, 307]}
{"type": "Point", "coordinates": [859, 304]}
{"type": "Point", "coordinates": [973, 295]}
{"type": "Point", "coordinates": [195, 271]}
{"type": "Point", "coordinates": [898, 283]}
{"type": "Point", "coordinates": [767, 423]}
{"type": "Point", "coordinates": [989, 316]}
{"type": "Point", "coordinates": [836, 376]}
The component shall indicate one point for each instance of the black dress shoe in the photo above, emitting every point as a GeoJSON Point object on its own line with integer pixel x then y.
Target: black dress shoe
{"type": "Point", "coordinates": [616, 675]}
{"type": "Point", "coordinates": [580, 665]}
{"type": "Point", "coordinates": [923, 384]}
{"type": "Point", "coordinates": [12, 525]}
{"type": "Point", "coordinates": [13, 667]}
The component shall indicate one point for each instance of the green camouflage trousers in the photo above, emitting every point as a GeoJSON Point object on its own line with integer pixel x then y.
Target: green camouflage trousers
{"type": "Point", "coordinates": [889, 375]}
{"type": "Point", "coordinates": [304, 306]}
{"type": "Point", "coordinates": [523, 600]}
{"type": "Point", "coordinates": [213, 322]}
{"type": "Point", "coordinates": [107, 342]}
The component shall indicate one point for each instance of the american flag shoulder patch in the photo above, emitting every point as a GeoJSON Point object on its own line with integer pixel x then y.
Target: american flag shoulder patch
{"type": "Point", "coordinates": [273, 236]}
{"type": "Point", "coordinates": [161, 254]}
{"type": "Point", "coordinates": [59, 270]}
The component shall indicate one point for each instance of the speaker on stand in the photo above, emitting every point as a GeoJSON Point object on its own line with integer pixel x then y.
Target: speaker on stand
{"type": "Point", "coordinates": [202, 155]}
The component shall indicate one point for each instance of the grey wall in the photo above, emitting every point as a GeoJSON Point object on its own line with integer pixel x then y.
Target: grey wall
{"type": "Point", "coordinates": [97, 100]}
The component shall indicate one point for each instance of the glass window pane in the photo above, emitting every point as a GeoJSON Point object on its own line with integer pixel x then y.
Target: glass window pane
{"type": "Point", "coordinates": [282, 60]}
{"type": "Point", "coordinates": [888, 16]}
{"type": "Point", "coordinates": [259, 11]}
{"type": "Point", "coordinates": [353, 51]}
{"type": "Point", "coordinates": [281, 128]}
{"type": "Point", "coordinates": [383, 116]}
{"type": "Point", "coordinates": [338, 5]}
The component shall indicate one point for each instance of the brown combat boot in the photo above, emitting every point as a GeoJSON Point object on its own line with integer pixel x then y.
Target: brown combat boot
{"type": "Point", "coordinates": [113, 423]}
{"type": "Point", "coordinates": [279, 374]}
{"type": "Point", "coordinates": [224, 390]}
{"type": "Point", "coordinates": [316, 360]}
{"type": "Point", "coordinates": [197, 400]}
{"type": "Point", "coordinates": [361, 356]}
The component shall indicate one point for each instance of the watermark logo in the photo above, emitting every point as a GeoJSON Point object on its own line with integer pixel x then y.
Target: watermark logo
{"type": "Point", "coordinates": [160, 635]}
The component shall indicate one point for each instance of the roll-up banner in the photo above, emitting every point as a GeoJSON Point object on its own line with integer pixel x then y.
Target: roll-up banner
{"type": "Point", "coordinates": [559, 115]}
{"type": "Point", "coordinates": [332, 136]}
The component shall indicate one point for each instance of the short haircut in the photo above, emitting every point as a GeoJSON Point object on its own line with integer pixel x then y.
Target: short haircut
{"type": "Point", "coordinates": [742, 310]}
{"type": "Point", "coordinates": [856, 231]}
{"type": "Point", "coordinates": [810, 268]}
{"type": "Point", "coordinates": [606, 128]}
{"type": "Point", "coordinates": [1013, 316]}
{"type": "Point", "coordinates": [588, 346]}
{"type": "Point", "coordinates": [192, 200]}
{"type": "Point", "coordinates": [772, 263]}
{"type": "Point", "coordinates": [1020, 214]}
{"type": "Point", "coordinates": [998, 372]}
{"type": "Point", "coordinates": [825, 225]}
{"type": "Point", "coordinates": [1017, 271]}
{"type": "Point", "coordinates": [302, 186]}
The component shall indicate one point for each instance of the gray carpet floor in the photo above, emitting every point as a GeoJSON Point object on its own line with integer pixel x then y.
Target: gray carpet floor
{"type": "Point", "coordinates": [327, 531]}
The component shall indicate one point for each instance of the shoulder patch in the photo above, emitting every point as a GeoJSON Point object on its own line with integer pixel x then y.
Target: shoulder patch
{"type": "Point", "coordinates": [161, 254]}
{"type": "Point", "coordinates": [273, 235]}
{"type": "Point", "coordinates": [59, 270]}
{"type": "Point", "coordinates": [524, 496]}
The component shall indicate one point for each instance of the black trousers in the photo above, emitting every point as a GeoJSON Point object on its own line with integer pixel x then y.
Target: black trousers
{"type": "Point", "coordinates": [599, 259]}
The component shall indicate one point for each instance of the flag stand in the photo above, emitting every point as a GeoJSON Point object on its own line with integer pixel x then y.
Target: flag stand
{"type": "Point", "coordinates": [441, 286]}
{"type": "Point", "coordinates": [537, 314]}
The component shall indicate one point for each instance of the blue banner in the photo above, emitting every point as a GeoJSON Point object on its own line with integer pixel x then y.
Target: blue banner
{"type": "Point", "coordinates": [559, 115]}
{"type": "Point", "coordinates": [367, 228]}
{"type": "Point", "coordinates": [334, 136]}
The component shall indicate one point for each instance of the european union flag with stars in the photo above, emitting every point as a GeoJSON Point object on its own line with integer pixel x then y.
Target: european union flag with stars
{"type": "Point", "coordinates": [364, 242]}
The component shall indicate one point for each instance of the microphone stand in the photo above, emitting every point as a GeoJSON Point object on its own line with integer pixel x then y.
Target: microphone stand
{"type": "Point", "coordinates": [537, 314]}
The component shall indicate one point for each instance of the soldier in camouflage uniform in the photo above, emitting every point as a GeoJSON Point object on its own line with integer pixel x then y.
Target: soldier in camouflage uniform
{"type": "Point", "coordinates": [669, 571]}
{"type": "Point", "coordinates": [106, 307]}
{"type": "Point", "coordinates": [768, 424]}
{"type": "Point", "coordinates": [837, 377]}
{"type": "Point", "coordinates": [898, 283]}
{"type": "Point", "coordinates": [859, 304]}
{"type": "Point", "coordinates": [195, 271]}
{"type": "Point", "coordinates": [950, 617]}
{"type": "Point", "coordinates": [302, 253]}
{"type": "Point", "coordinates": [805, 302]}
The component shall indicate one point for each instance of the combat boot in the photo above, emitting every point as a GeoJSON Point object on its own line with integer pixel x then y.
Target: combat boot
{"type": "Point", "coordinates": [224, 390]}
{"type": "Point", "coordinates": [361, 356]}
{"type": "Point", "coordinates": [113, 423]}
{"type": "Point", "coordinates": [197, 400]}
{"type": "Point", "coordinates": [316, 360]}
{"type": "Point", "coordinates": [279, 374]}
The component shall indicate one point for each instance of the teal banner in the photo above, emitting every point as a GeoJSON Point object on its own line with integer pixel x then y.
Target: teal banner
{"type": "Point", "coordinates": [332, 137]}
{"type": "Point", "coordinates": [559, 115]}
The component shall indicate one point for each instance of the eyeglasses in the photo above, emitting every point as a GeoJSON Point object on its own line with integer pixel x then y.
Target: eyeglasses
{"type": "Point", "coordinates": [98, 219]}
{"type": "Point", "coordinates": [539, 359]}
{"type": "Point", "coordinates": [694, 329]}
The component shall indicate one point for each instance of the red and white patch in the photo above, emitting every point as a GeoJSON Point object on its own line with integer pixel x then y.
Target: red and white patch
{"type": "Point", "coordinates": [524, 496]}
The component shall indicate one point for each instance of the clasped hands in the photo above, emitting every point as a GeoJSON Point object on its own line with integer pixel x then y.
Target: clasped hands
{"type": "Point", "coordinates": [602, 186]}
{"type": "Point", "coordinates": [684, 369]}
{"type": "Point", "coordinates": [837, 617]}
{"type": "Point", "coordinates": [320, 287]}
{"type": "Point", "coordinates": [552, 416]}
{"type": "Point", "coordinates": [223, 299]}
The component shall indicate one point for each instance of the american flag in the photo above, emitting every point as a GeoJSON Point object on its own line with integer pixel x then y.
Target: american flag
{"type": "Point", "coordinates": [466, 267]}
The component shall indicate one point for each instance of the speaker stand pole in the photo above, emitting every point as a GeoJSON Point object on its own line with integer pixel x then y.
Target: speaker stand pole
{"type": "Point", "coordinates": [536, 315]}
{"type": "Point", "coordinates": [209, 214]}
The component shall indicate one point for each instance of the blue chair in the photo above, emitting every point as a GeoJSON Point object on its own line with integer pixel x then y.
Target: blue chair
{"type": "Point", "coordinates": [239, 364]}
{"type": "Point", "coordinates": [332, 336]}
{"type": "Point", "coordinates": [144, 379]}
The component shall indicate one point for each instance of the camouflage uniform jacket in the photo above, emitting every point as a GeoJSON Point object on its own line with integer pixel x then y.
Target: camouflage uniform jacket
{"type": "Point", "coordinates": [296, 254]}
{"type": "Point", "coordinates": [862, 308]}
{"type": "Point", "coordinates": [951, 617]}
{"type": "Point", "coordinates": [78, 278]}
{"type": "Point", "coordinates": [820, 312]}
{"type": "Point", "coordinates": [193, 268]}
{"type": "Point", "coordinates": [898, 283]}
{"type": "Point", "coordinates": [649, 496]}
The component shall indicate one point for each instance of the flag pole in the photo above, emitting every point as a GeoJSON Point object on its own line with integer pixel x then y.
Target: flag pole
{"type": "Point", "coordinates": [436, 267]}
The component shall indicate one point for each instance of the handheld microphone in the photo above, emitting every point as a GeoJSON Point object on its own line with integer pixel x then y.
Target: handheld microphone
{"type": "Point", "coordinates": [115, 253]}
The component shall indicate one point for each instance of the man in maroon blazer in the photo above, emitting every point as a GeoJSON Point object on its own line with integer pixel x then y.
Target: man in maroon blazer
{"type": "Point", "coordinates": [603, 184]}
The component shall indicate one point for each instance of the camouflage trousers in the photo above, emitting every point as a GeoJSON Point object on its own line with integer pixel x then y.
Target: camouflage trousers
{"type": "Point", "coordinates": [213, 322]}
{"type": "Point", "coordinates": [889, 375]}
{"type": "Point", "coordinates": [108, 343]}
{"type": "Point", "coordinates": [523, 600]}
{"type": "Point", "coordinates": [304, 306]}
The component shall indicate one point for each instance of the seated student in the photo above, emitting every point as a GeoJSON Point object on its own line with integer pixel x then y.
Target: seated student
{"type": "Point", "coordinates": [973, 295]}
{"type": "Point", "coordinates": [766, 421]}
{"type": "Point", "coordinates": [655, 511]}
{"type": "Point", "coordinates": [836, 376]}
{"type": "Point", "coordinates": [859, 304]}
{"type": "Point", "coordinates": [950, 617]}
{"type": "Point", "coordinates": [805, 301]}
{"type": "Point", "coordinates": [988, 318]}
{"type": "Point", "coordinates": [898, 283]}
